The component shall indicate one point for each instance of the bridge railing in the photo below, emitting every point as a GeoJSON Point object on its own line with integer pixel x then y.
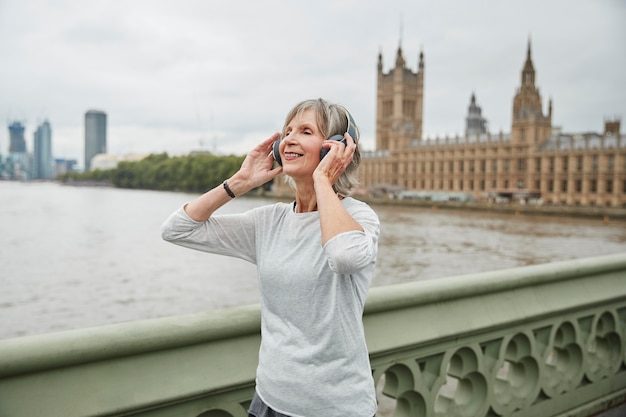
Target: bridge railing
{"type": "Point", "coordinates": [542, 340]}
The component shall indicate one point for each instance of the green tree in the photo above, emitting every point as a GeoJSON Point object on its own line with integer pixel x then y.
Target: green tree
{"type": "Point", "coordinates": [191, 173]}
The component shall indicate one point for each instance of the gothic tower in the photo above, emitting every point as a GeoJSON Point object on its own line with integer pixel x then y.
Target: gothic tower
{"type": "Point", "coordinates": [530, 125]}
{"type": "Point", "coordinates": [475, 123]}
{"type": "Point", "coordinates": [399, 104]}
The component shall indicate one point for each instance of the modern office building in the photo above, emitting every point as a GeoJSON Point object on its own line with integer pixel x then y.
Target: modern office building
{"type": "Point", "coordinates": [95, 135]}
{"type": "Point", "coordinates": [535, 162]}
{"type": "Point", "coordinates": [44, 166]}
{"type": "Point", "coordinates": [17, 143]}
{"type": "Point", "coordinates": [17, 164]}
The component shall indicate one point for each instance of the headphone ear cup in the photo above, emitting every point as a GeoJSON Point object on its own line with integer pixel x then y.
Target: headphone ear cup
{"type": "Point", "coordinates": [338, 138]}
{"type": "Point", "coordinates": [276, 152]}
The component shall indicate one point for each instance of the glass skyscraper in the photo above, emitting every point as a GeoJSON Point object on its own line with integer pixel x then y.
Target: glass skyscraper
{"type": "Point", "coordinates": [17, 164]}
{"type": "Point", "coordinates": [17, 143]}
{"type": "Point", "coordinates": [44, 163]}
{"type": "Point", "coordinates": [95, 135]}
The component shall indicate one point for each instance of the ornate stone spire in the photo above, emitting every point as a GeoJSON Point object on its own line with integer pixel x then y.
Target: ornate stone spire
{"type": "Point", "coordinates": [528, 73]}
{"type": "Point", "coordinates": [400, 63]}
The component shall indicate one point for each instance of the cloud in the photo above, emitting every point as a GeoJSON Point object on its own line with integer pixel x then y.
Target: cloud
{"type": "Point", "coordinates": [173, 74]}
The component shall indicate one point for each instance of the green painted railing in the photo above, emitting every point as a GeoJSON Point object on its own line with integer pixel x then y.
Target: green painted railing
{"type": "Point", "coordinates": [543, 340]}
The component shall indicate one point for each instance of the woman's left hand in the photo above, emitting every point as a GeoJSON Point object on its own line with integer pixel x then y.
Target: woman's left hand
{"type": "Point", "coordinates": [336, 160]}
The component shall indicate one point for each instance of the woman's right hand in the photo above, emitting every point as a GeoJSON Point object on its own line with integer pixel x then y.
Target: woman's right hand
{"type": "Point", "coordinates": [256, 169]}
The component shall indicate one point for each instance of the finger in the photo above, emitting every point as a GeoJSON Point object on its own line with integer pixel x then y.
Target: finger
{"type": "Point", "coordinates": [347, 144]}
{"type": "Point", "coordinates": [333, 149]}
{"type": "Point", "coordinates": [351, 143]}
{"type": "Point", "coordinates": [274, 172]}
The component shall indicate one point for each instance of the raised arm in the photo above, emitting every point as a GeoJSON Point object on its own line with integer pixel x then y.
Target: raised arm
{"type": "Point", "coordinates": [334, 219]}
{"type": "Point", "coordinates": [255, 171]}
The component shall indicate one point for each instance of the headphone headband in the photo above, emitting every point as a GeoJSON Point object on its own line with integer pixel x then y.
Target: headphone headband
{"type": "Point", "coordinates": [351, 125]}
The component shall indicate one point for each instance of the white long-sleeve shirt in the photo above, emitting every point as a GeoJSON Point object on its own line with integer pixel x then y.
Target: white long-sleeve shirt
{"type": "Point", "coordinates": [313, 359]}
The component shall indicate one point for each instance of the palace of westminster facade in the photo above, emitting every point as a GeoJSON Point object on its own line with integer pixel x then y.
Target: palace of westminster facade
{"type": "Point", "coordinates": [534, 162]}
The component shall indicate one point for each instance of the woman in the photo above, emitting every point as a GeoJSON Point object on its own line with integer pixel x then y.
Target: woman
{"type": "Point", "coordinates": [315, 259]}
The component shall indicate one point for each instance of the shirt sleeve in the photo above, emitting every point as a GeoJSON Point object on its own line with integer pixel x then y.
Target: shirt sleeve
{"type": "Point", "coordinates": [350, 252]}
{"type": "Point", "coordinates": [229, 234]}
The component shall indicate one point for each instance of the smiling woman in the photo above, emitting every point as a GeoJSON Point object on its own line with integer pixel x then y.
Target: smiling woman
{"type": "Point", "coordinates": [315, 259]}
{"type": "Point", "coordinates": [307, 125]}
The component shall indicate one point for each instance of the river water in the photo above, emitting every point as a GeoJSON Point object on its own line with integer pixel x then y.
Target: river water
{"type": "Point", "coordinates": [74, 257]}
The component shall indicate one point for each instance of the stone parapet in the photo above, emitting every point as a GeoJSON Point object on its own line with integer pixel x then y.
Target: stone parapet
{"type": "Point", "coordinates": [543, 340]}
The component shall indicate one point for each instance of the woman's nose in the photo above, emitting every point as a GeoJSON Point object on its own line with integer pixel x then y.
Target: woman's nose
{"type": "Point", "coordinates": [290, 138]}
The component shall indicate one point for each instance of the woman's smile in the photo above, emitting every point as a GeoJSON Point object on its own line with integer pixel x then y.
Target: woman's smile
{"type": "Point", "coordinates": [301, 144]}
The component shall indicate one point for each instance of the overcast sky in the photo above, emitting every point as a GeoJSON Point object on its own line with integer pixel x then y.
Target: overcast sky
{"type": "Point", "coordinates": [176, 76]}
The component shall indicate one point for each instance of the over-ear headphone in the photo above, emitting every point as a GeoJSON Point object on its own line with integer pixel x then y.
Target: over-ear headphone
{"type": "Point", "coordinates": [351, 131]}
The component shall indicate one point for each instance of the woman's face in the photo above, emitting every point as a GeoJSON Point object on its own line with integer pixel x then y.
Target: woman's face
{"type": "Point", "coordinates": [301, 145]}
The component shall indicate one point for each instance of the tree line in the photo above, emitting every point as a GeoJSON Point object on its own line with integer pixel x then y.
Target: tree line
{"type": "Point", "coordinates": [191, 173]}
